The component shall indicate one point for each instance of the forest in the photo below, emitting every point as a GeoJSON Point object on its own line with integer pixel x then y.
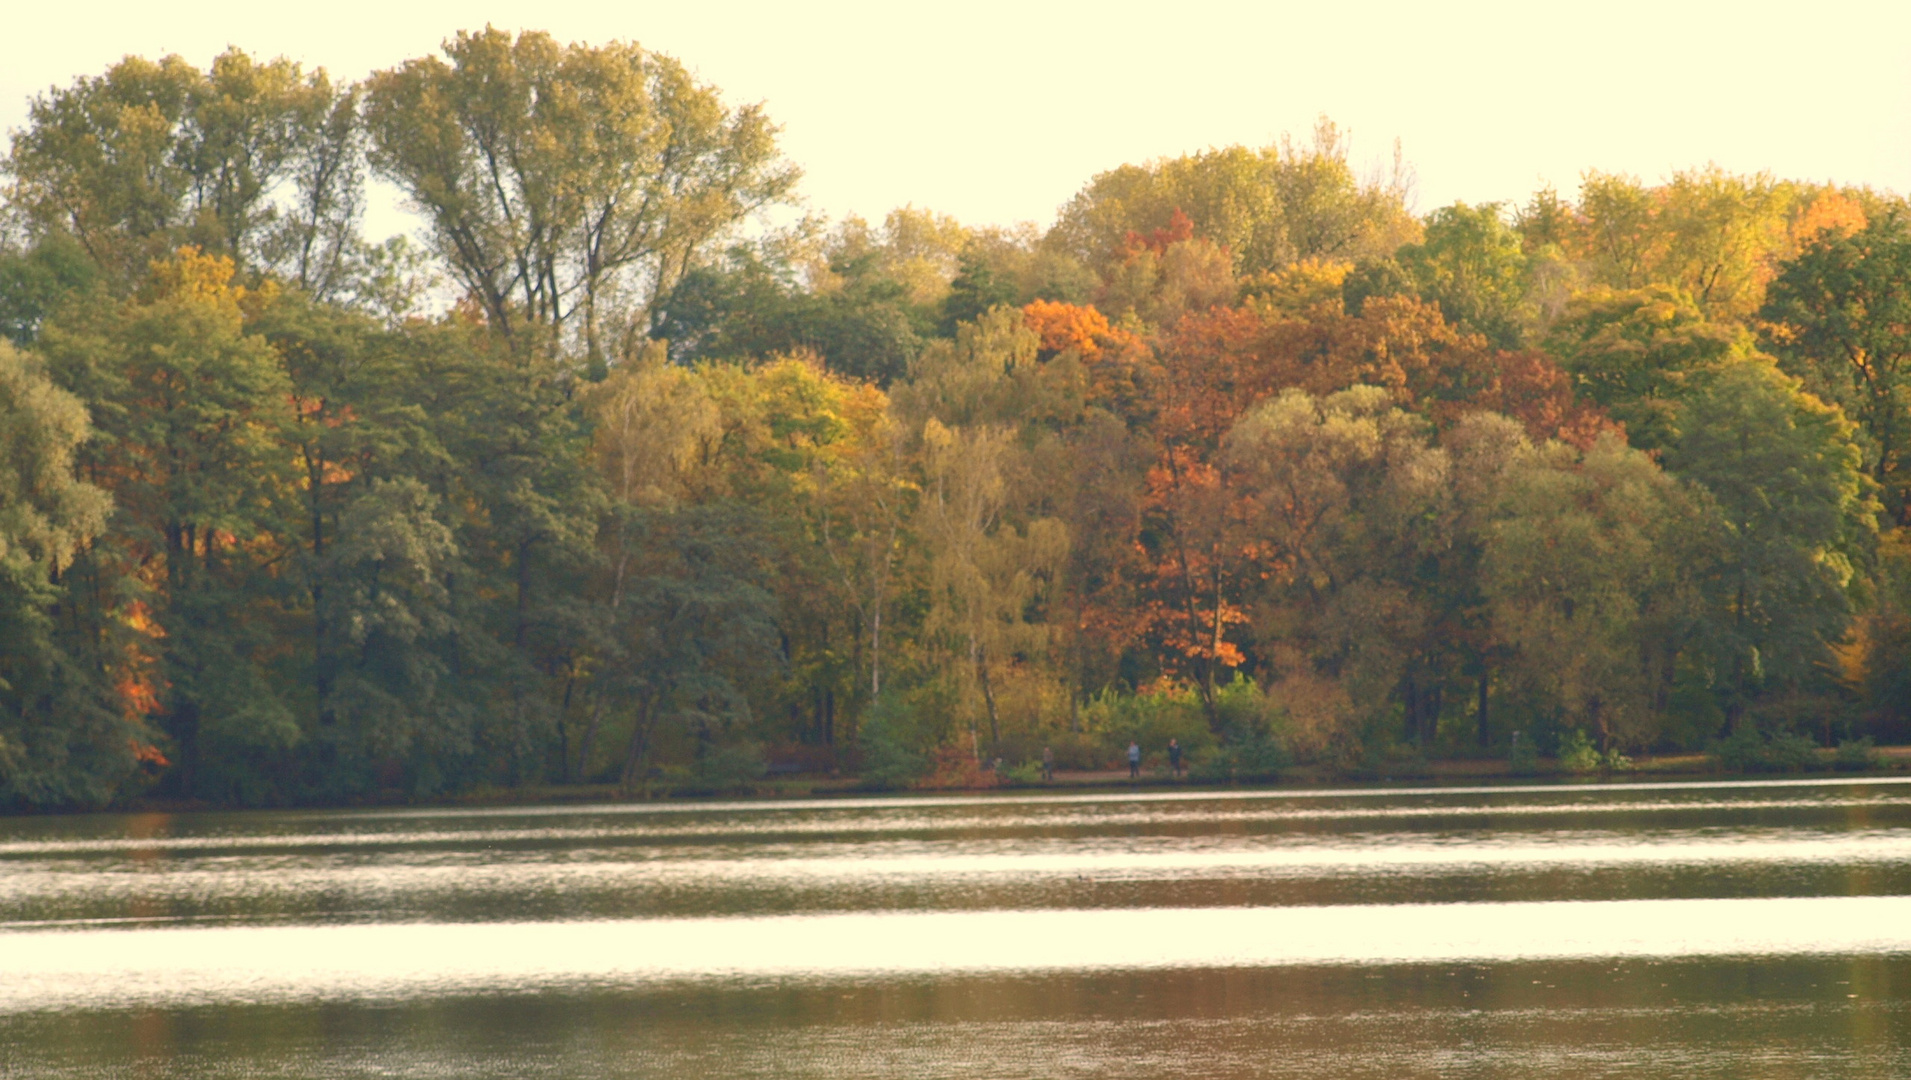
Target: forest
{"type": "Point", "coordinates": [627, 470]}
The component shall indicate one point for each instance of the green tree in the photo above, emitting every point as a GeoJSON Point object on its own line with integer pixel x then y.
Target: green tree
{"type": "Point", "coordinates": [1793, 514]}
{"type": "Point", "coordinates": [1471, 263]}
{"type": "Point", "coordinates": [1589, 586]}
{"type": "Point", "coordinates": [370, 548]}
{"type": "Point", "coordinates": [568, 187]}
{"type": "Point", "coordinates": [65, 738]}
{"type": "Point", "coordinates": [1267, 207]}
{"type": "Point", "coordinates": [34, 284]}
{"type": "Point", "coordinates": [1840, 316]}
{"type": "Point", "coordinates": [386, 615]}
{"type": "Point", "coordinates": [866, 327]}
{"type": "Point", "coordinates": [191, 407]}
{"type": "Point", "coordinates": [975, 289]}
{"type": "Point", "coordinates": [255, 161]}
{"type": "Point", "coordinates": [1640, 354]}
{"type": "Point", "coordinates": [695, 626]}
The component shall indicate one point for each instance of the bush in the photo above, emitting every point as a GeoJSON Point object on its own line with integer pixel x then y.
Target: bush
{"type": "Point", "coordinates": [1027, 774]}
{"type": "Point", "coordinates": [956, 767]}
{"type": "Point", "coordinates": [728, 767]}
{"type": "Point", "coordinates": [887, 744]}
{"type": "Point", "coordinates": [1523, 756]}
{"type": "Point", "coordinates": [1252, 756]}
{"type": "Point", "coordinates": [1746, 750]}
{"type": "Point", "coordinates": [1083, 750]}
{"type": "Point", "coordinates": [1148, 719]}
{"type": "Point", "coordinates": [1252, 744]}
{"type": "Point", "coordinates": [1385, 758]}
{"type": "Point", "coordinates": [1791, 752]}
{"type": "Point", "coordinates": [1576, 753]}
{"type": "Point", "coordinates": [1855, 755]}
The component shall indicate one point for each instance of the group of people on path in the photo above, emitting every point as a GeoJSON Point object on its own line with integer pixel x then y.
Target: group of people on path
{"type": "Point", "coordinates": [1134, 760]}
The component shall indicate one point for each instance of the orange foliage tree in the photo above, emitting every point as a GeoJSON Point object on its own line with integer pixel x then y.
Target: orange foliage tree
{"type": "Point", "coordinates": [1214, 366]}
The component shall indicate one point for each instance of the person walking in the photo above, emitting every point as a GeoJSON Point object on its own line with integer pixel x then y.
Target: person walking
{"type": "Point", "coordinates": [1134, 760]}
{"type": "Point", "coordinates": [1174, 757]}
{"type": "Point", "coordinates": [1048, 765]}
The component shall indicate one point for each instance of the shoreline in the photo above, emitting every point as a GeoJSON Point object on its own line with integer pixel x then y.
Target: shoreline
{"type": "Point", "coordinates": [1299, 780]}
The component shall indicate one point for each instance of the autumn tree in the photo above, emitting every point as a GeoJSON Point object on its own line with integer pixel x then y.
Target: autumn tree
{"type": "Point", "coordinates": [1265, 207]}
{"type": "Point", "coordinates": [568, 186]}
{"type": "Point", "coordinates": [256, 161]}
{"type": "Point", "coordinates": [1589, 587]}
{"type": "Point", "coordinates": [191, 406]}
{"type": "Point", "coordinates": [1345, 498]}
{"type": "Point", "coordinates": [994, 549]}
{"type": "Point", "coordinates": [797, 444]}
{"type": "Point", "coordinates": [1715, 235]}
{"type": "Point", "coordinates": [1840, 318]}
{"type": "Point", "coordinates": [1165, 275]}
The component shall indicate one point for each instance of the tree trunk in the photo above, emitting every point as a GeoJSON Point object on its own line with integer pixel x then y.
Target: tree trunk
{"type": "Point", "coordinates": [1410, 706]}
{"type": "Point", "coordinates": [590, 737]}
{"type": "Point", "coordinates": [1212, 698]}
{"type": "Point", "coordinates": [522, 632]}
{"type": "Point", "coordinates": [981, 656]}
{"type": "Point", "coordinates": [881, 582]}
{"type": "Point", "coordinates": [639, 748]}
{"type": "Point", "coordinates": [1081, 669]}
{"type": "Point", "coordinates": [1485, 734]}
{"type": "Point", "coordinates": [321, 668]}
{"type": "Point", "coordinates": [564, 727]}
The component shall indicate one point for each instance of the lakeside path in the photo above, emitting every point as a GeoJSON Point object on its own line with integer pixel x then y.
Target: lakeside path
{"type": "Point", "coordinates": [1445, 772]}
{"type": "Point", "coordinates": [1892, 761]}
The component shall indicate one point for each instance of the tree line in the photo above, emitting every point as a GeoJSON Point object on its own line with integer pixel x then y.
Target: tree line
{"type": "Point", "coordinates": [678, 483]}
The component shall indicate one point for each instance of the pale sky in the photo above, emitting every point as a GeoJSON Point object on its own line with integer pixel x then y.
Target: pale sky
{"type": "Point", "coordinates": [998, 111]}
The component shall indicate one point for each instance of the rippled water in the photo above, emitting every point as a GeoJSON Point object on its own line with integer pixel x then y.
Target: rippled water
{"type": "Point", "coordinates": [1622, 930]}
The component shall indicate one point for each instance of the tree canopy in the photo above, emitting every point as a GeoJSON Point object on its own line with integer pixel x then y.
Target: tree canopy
{"type": "Point", "coordinates": [630, 474]}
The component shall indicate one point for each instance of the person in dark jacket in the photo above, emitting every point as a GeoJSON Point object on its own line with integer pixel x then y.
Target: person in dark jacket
{"type": "Point", "coordinates": [1174, 756]}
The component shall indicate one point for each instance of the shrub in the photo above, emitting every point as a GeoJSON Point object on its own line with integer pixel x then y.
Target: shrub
{"type": "Point", "coordinates": [1027, 774]}
{"type": "Point", "coordinates": [955, 767]}
{"type": "Point", "coordinates": [1576, 753]}
{"type": "Point", "coordinates": [1252, 743]}
{"type": "Point", "coordinates": [728, 767]}
{"type": "Point", "coordinates": [1791, 752]}
{"type": "Point", "coordinates": [1073, 749]}
{"type": "Point", "coordinates": [1741, 751]}
{"type": "Point", "coordinates": [888, 745]}
{"type": "Point", "coordinates": [1746, 750]}
{"type": "Point", "coordinates": [1386, 758]}
{"type": "Point", "coordinates": [1523, 756]}
{"type": "Point", "coordinates": [1856, 754]}
{"type": "Point", "coordinates": [1252, 756]}
{"type": "Point", "coordinates": [1149, 718]}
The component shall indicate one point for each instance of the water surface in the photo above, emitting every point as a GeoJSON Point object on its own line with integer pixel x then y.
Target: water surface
{"type": "Point", "coordinates": [1638, 930]}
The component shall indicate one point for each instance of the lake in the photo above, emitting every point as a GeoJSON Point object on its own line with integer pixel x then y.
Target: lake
{"type": "Point", "coordinates": [1641, 930]}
